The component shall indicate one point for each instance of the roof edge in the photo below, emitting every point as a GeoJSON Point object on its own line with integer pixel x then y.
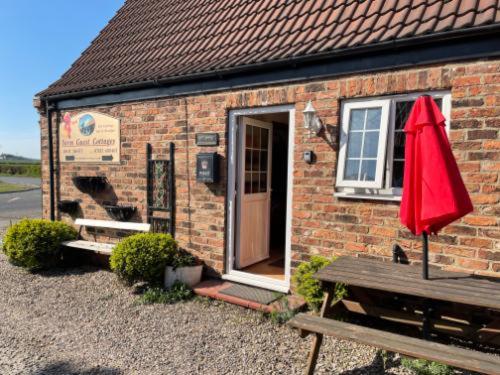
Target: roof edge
{"type": "Point", "coordinates": [382, 47]}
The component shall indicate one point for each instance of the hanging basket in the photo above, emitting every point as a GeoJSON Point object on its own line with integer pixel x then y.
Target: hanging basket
{"type": "Point", "coordinates": [90, 184]}
{"type": "Point", "coordinates": [68, 206]}
{"type": "Point", "coordinates": [120, 213]}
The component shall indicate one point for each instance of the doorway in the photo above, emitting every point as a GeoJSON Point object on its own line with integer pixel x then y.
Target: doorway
{"type": "Point", "coordinates": [259, 197]}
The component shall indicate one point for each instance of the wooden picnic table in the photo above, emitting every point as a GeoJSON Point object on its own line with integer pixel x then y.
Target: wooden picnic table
{"type": "Point", "coordinates": [406, 279]}
{"type": "Point", "coordinates": [400, 306]}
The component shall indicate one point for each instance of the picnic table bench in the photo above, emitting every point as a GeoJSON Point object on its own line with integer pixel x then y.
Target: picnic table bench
{"type": "Point", "coordinates": [397, 300]}
{"type": "Point", "coordinates": [99, 247]}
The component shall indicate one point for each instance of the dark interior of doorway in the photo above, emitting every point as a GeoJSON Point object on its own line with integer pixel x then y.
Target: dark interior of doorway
{"type": "Point", "coordinates": [274, 266]}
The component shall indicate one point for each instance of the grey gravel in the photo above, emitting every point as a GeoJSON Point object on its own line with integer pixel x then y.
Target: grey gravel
{"type": "Point", "coordinates": [83, 321]}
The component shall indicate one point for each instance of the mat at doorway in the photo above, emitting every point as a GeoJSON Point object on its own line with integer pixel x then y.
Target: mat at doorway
{"type": "Point", "coordinates": [212, 288]}
{"type": "Point", "coordinates": [250, 293]}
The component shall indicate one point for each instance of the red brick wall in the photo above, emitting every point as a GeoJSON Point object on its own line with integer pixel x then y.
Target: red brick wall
{"type": "Point", "coordinates": [322, 224]}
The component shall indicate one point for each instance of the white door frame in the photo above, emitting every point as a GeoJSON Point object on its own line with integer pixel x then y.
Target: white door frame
{"type": "Point", "coordinates": [232, 274]}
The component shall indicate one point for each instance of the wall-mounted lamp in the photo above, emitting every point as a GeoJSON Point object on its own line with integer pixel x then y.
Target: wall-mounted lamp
{"type": "Point", "coordinates": [311, 120]}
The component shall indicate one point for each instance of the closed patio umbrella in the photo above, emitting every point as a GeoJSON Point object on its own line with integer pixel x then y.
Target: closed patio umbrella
{"type": "Point", "coordinates": [434, 194]}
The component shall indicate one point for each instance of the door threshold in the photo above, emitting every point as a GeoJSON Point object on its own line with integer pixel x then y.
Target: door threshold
{"type": "Point", "coordinates": [212, 288]}
{"type": "Point", "coordinates": [257, 281]}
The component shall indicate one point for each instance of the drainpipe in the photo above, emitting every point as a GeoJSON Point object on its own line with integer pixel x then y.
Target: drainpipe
{"type": "Point", "coordinates": [49, 108]}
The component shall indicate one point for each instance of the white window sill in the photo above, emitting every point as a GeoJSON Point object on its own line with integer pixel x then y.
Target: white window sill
{"type": "Point", "coordinates": [376, 197]}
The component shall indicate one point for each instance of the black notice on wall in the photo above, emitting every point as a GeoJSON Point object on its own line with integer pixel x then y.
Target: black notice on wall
{"type": "Point", "coordinates": [207, 139]}
{"type": "Point", "coordinates": [207, 167]}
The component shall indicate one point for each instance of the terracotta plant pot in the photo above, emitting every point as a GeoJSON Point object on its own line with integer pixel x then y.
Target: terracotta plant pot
{"type": "Point", "coordinates": [186, 275]}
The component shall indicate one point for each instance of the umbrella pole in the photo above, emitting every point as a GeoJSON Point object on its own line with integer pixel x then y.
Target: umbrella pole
{"type": "Point", "coordinates": [425, 259]}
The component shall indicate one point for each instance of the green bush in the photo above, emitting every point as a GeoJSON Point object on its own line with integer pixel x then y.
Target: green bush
{"type": "Point", "coordinates": [178, 292]}
{"type": "Point", "coordinates": [35, 243]}
{"type": "Point", "coordinates": [424, 367]}
{"type": "Point", "coordinates": [143, 257]}
{"type": "Point", "coordinates": [310, 288]}
{"type": "Point", "coordinates": [20, 169]}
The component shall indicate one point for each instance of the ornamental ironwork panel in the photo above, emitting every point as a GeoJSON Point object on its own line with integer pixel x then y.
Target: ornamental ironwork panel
{"type": "Point", "coordinates": [160, 191]}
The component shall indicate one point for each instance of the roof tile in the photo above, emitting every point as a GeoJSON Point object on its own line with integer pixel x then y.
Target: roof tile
{"type": "Point", "coordinates": [162, 39]}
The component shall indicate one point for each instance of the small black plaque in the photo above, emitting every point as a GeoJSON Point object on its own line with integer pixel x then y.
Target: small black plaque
{"type": "Point", "coordinates": [207, 167]}
{"type": "Point", "coordinates": [207, 139]}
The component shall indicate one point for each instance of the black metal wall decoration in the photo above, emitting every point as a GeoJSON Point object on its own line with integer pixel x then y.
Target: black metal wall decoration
{"type": "Point", "coordinates": [90, 184]}
{"type": "Point", "coordinates": [120, 212]}
{"type": "Point", "coordinates": [68, 206]}
{"type": "Point", "coordinates": [160, 192]}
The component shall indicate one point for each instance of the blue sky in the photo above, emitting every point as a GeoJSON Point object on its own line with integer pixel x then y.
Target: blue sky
{"type": "Point", "coordinates": [39, 40]}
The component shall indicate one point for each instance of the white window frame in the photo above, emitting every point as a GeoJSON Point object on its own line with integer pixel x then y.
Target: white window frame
{"type": "Point", "coordinates": [382, 190]}
{"type": "Point", "coordinates": [384, 121]}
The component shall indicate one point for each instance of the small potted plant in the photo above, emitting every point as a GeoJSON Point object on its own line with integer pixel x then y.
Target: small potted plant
{"type": "Point", "coordinates": [184, 268]}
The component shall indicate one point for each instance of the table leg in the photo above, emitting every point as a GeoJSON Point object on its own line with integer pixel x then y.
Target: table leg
{"type": "Point", "coordinates": [426, 319]}
{"type": "Point", "coordinates": [318, 337]}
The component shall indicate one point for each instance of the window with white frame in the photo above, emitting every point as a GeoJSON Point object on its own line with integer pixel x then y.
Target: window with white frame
{"type": "Point", "coordinates": [372, 140]}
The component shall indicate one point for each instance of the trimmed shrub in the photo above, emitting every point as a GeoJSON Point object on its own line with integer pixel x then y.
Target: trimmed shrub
{"type": "Point", "coordinates": [36, 243]}
{"type": "Point", "coordinates": [144, 256]}
{"type": "Point", "coordinates": [310, 288]}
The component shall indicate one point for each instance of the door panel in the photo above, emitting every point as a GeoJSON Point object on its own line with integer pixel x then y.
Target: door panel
{"type": "Point", "coordinates": [254, 194]}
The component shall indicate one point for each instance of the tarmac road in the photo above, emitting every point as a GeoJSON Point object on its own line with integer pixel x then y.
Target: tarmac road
{"type": "Point", "coordinates": [15, 206]}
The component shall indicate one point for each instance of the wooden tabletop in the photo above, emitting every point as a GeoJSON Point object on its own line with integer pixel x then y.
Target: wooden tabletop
{"type": "Point", "coordinates": [407, 279]}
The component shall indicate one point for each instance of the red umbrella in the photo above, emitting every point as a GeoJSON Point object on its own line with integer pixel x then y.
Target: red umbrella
{"type": "Point", "coordinates": [434, 194]}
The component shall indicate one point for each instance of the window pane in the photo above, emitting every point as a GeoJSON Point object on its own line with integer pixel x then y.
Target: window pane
{"type": "Point", "coordinates": [357, 119]}
{"type": "Point", "coordinates": [263, 182]}
{"type": "Point", "coordinates": [368, 168]}
{"type": "Point", "coordinates": [351, 170]}
{"type": "Point", "coordinates": [397, 174]}
{"type": "Point", "coordinates": [256, 137]}
{"type": "Point", "coordinates": [255, 183]}
{"type": "Point", "coordinates": [263, 161]}
{"type": "Point", "coordinates": [255, 160]}
{"type": "Point", "coordinates": [370, 148]}
{"type": "Point", "coordinates": [399, 145]}
{"type": "Point", "coordinates": [403, 110]}
{"type": "Point", "coordinates": [264, 138]}
{"type": "Point", "coordinates": [248, 138]}
{"type": "Point", "coordinates": [248, 183]}
{"type": "Point", "coordinates": [248, 160]}
{"type": "Point", "coordinates": [354, 145]}
{"type": "Point", "coordinates": [373, 118]}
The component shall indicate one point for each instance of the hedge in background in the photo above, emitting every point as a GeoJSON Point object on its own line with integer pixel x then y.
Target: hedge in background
{"type": "Point", "coordinates": [36, 243]}
{"type": "Point", "coordinates": [143, 257]}
{"type": "Point", "coordinates": [19, 169]}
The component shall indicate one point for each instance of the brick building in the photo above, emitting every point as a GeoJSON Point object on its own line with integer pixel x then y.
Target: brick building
{"type": "Point", "coordinates": [234, 77]}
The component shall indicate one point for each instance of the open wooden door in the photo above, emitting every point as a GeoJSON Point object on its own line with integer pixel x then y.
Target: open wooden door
{"type": "Point", "coordinates": [254, 191]}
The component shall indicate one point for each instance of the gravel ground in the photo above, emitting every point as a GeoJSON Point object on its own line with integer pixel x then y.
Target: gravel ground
{"type": "Point", "coordinates": [83, 321]}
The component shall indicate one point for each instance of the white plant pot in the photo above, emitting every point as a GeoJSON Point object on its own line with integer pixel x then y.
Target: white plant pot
{"type": "Point", "coordinates": [187, 275]}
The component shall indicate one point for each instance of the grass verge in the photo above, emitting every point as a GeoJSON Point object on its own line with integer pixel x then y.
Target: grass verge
{"type": "Point", "coordinates": [8, 188]}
